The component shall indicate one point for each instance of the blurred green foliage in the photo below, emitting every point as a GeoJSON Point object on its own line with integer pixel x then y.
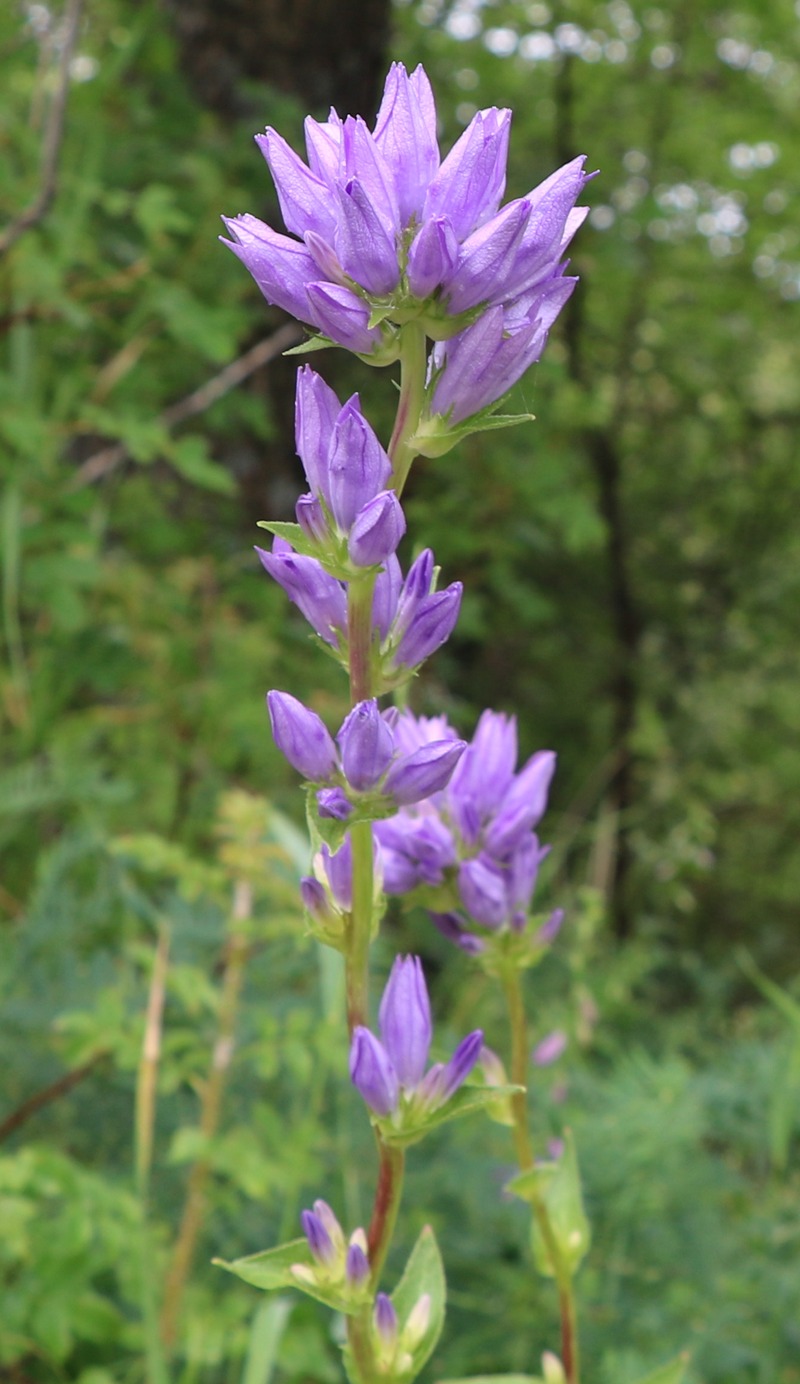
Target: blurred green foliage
{"type": "Point", "coordinates": [138, 640]}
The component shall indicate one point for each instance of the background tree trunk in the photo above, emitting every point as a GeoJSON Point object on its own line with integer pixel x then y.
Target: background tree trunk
{"type": "Point", "coordinates": [325, 52]}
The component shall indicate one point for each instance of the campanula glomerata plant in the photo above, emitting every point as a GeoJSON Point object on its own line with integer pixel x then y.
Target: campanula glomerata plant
{"type": "Point", "coordinates": [409, 259]}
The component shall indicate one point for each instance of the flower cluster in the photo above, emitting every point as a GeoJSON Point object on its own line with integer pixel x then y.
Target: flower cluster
{"type": "Point", "coordinates": [383, 232]}
{"type": "Point", "coordinates": [390, 1071]}
{"type": "Point", "coordinates": [338, 1263]}
{"type": "Point", "coordinates": [472, 846]}
{"type": "Point", "coordinates": [399, 255]}
{"type": "Point", "coordinates": [410, 618]}
{"type": "Point", "coordinates": [368, 762]}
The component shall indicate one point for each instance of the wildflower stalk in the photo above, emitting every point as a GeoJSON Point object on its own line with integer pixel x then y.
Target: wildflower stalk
{"type": "Point", "coordinates": [523, 1144]}
{"type": "Point", "coordinates": [413, 357]}
{"type": "Point", "coordinates": [387, 1204]}
{"type": "Point", "coordinates": [360, 927]}
{"type": "Point", "coordinates": [359, 630]}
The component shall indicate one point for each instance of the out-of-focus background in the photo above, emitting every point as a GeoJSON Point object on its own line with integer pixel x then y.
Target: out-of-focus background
{"type": "Point", "coordinates": [631, 564]}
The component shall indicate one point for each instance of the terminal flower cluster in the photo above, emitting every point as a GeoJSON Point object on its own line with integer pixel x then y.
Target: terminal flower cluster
{"type": "Point", "coordinates": [382, 231]}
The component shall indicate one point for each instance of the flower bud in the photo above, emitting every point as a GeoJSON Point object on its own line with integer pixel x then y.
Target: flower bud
{"type": "Point", "coordinates": [341, 315]}
{"type": "Point", "coordinates": [377, 530]}
{"type": "Point", "coordinates": [385, 1319]}
{"type": "Point", "coordinates": [319, 1241]}
{"type": "Point", "coordinates": [430, 626]}
{"type": "Point", "coordinates": [523, 805]}
{"type": "Point", "coordinates": [550, 929]}
{"type": "Point", "coordinates": [309, 515]}
{"type": "Point", "coordinates": [302, 737]}
{"type": "Point", "coordinates": [443, 1080]}
{"type": "Point", "coordinates": [405, 1020]}
{"type": "Point", "coordinates": [358, 467]}
{"type": "Point", "coordinates": [367, 745]}
{"type": "Point", "coordinates": [334, 803]}
{"type": "Point", "coordinates": [426, 771]}
{"type": "Point", "coordinates": [314, 591]}
{"type": "Point", "coordinates": [372, 1073]}
{"type": "Point", "coordinates": [356, 1265]}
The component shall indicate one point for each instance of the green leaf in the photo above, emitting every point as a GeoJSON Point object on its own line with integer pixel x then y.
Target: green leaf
{"type": "Point", "coordinates": [558, 1187]}
{"type": "Point", "coordinates": [292, 533]}
{"type": "Point", "coordinates": [274, 1268]}
{"type": "Point", "coordinates": [467, 1101]}
{"type": "Point", "coordinates": [314, 343]}
{"type": "Point", "coordinates": [271, 1268]}
{"type": "Point", "coordinates": [671, 1373]}
{"type": "Point", "coordinates": [423, 1273]}
{"type": "Point", "coordinates": [269, 1324]}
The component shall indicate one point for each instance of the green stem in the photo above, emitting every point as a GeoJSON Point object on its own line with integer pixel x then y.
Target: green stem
{"type": "Point", "coordinates": [359, 637]}
{"type": "Point", "coordinates": [387, 1204]}
{"type": "Point", "coordinates": [413, 353]}
{"type": "Point", "coordinates": [360, 928]}
{"type": "Point", "coordinates": [358, 1339]}
{"type": "Point", "coordinates": [525, 1157]}
{"type": "Point", "coordinates": [519, 1066]}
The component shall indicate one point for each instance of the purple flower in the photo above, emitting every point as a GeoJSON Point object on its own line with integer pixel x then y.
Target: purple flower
{"type": "Point", "coordinates": [356, 1268]}
{"type": "Point", "coordinates": [549, 1049]}
{"type": "Point", "coordinates": [377, 530]}
{"type": "Point", "coordinates": [523, 804]}
{"type": "Point", "coordinates": [474, 837]}
{"type": "Point", "coordinates": [336, 1258]}
{"type": "Point", "coordinates": [372, 1072]}
{"type": "Point", "coordinates": [405, 1020]}
{"type": "Point", "coordinates": [302, 737]}
{"type": "Point", "coordinates": [319, 596]}
{"type": "Point", "coordinates": [374, 216]}
{"type": "Point", "coordinates": [366, 745]}
{"type": "Point", "coordinates": [385, 1319]}
{"type": "Point", "coordinates": [319, 1239]}
{"type": "Point", "coordinates": [423, 618]}
{"type": "Point", "coordinates": [477, 367]}
{"type": "Point", "coordinates": [424, 772]}
{"type": "Point", "coordinates": [390, 1073]}
{"type": "Point", "coordinates": [334, 803]}
{"type": "Point", "coordinates": [349, 473]}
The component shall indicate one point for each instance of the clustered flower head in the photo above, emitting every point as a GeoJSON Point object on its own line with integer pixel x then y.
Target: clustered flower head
{"type": "Point", "coordinates": [473, 842]}
{"type": "Point", "coordinates": [367, 760]}
{"type": "Point", "coordinates": [390, 1071]}
{"type": "Point", "coordinates": [337, 1262]}
{"type": "Point", "coordinates": [382, 231]}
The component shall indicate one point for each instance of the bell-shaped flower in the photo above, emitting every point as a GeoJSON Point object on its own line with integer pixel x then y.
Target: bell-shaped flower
{"type": "Point", "coordinates": [366, 745]}
{"type": "Point", "coordinates": [474, 369]}
{"type": "Point", "coordinates": [423, 618]}
{"type": "Point", "coordinates": [318, 595]}
{"type": "Point", "coordinates": [302, 737]}
{"type": "Point", "coordinates": [390, 1072]}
